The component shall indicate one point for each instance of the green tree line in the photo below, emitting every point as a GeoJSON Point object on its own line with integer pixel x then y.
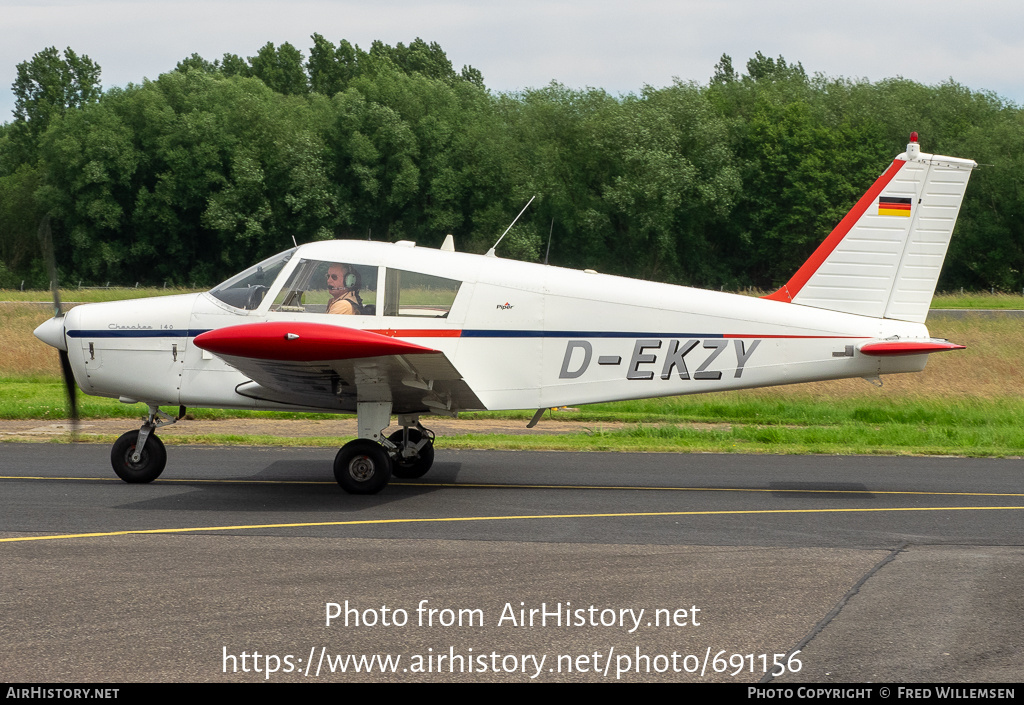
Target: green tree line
{"type": "Point", "coordinates": [218, 163]}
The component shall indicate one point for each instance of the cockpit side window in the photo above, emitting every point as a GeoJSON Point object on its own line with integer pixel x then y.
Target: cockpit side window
{"type": "Point", "coordinates": [246, 290]}
{"type": "Point", "coordinates": [318, 286]}
{"type": "Point", "coordinates": [415, 294]}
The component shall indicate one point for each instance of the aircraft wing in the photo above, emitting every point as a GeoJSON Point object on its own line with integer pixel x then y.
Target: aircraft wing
{"type": "Point", "coordinates": [321, 366]}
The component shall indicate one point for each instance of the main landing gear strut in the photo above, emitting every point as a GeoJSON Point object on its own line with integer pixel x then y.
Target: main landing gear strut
{"type": "Point", "coordinates": [365, 465]}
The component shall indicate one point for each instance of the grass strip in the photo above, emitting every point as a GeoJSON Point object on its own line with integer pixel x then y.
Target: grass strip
{"type": "Point", "coordinates": [856, 439]}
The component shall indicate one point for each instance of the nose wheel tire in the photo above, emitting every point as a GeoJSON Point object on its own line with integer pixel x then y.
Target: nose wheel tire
{"type": "Point", "coordinates": [408, 468]}
{"type": "Point", "coordinates": [362, 466]}
{"type": "Point", "coordinates": [151, 462]}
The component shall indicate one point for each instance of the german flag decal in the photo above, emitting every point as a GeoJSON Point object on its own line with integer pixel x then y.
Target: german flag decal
{"type": "Point", "coordinates": [894, 205]}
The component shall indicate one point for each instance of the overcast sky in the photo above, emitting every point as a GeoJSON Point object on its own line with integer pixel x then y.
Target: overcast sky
{"type": "Point", "coordinates": [618, 46]}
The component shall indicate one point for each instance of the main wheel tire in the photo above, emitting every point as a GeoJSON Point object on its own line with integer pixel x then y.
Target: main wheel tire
{"type": "Point", "coordinates": [362, 466]}
{"type": "Point", "coordinates": [417, 465]}
{"type": "Point", "coordinates": [151, 462]}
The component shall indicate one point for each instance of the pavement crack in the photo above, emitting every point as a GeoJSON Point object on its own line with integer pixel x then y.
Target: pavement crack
{"type": "Point", "coordinates": [838, 607]}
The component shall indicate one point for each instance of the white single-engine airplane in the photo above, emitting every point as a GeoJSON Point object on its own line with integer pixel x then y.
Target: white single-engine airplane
{"type": "Point", "coordinates": [436, 331]}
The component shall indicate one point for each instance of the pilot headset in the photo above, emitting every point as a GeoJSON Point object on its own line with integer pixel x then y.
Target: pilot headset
{"type": "Point", "coordinates": [351, 278]}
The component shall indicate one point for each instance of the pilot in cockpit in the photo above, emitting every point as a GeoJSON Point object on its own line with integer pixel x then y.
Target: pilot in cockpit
{"type": "Point", "coordinates": [343, 285]}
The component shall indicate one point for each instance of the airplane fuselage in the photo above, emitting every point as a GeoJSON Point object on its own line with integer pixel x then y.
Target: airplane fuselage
{"type": "Point", "coordinates": [521, 335]}
{"type": "Point", "coordinates": [393, 329]}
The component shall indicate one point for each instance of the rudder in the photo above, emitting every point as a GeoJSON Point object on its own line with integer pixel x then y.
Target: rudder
{"type": "Point", "coordinates": [883, 259]}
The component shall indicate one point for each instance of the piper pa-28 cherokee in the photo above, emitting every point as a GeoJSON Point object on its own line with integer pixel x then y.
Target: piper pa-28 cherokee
{"type": "Point", "coordinates": [436, 331]}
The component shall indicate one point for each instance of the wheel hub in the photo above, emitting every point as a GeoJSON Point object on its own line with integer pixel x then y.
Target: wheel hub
{"type": "Point", "coordinates": [143, 459]}
{"type": "Point", "coordinates": [361, 468]}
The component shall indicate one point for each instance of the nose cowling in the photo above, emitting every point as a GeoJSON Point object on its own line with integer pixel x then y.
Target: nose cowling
{"type": "Point", "coordinates": [51, 332]}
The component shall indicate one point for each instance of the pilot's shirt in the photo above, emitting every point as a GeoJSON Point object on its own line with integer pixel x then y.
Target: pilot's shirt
{"type": "Point", "coordinates": [345, 304]}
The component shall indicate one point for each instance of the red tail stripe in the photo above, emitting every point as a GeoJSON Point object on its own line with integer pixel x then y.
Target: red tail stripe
{"type": "Point", "coordinates": [788, 292]}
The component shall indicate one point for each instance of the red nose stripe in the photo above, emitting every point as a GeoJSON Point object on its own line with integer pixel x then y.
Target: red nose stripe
{"type": "Point", "coordinates": [314, 341]}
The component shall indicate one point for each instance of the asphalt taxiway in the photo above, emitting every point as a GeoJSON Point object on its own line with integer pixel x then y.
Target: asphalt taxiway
{"type": "Point", "coordinates": [872, 568]}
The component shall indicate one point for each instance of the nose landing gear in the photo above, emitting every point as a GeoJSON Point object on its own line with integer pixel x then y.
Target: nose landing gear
{"type": "Point", "coordinates": [135, 464]}
{"type": "Point", "coordinates": [139, 456]}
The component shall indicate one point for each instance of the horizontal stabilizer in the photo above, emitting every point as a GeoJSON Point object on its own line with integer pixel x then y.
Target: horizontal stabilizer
{"type": "Point", "coordinates": [889, 348]}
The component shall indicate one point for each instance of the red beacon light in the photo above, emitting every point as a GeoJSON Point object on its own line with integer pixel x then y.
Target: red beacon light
{"type": "Point", "coordinates": [913, 148]}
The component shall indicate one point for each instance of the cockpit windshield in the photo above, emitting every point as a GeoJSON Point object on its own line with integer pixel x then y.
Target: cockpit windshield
{"type": "Point", "coordinates": [246, 290]}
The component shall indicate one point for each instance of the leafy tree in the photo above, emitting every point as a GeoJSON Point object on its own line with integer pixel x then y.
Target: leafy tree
{"type": "Point", "coordinates": [46, 87]}
{"type": "Point", "coordinates": [765, 68]}
{"type": "Point", "coordinates": [562, 146]}
{"type": "Point", "coordinates": [49, 85]}
{"type": "Point", "coordinates": [234, 65]}
{"type": "Point", "coordinates": [214, 165]}
{"type": "Point", "coordinates": [193, 176]}
{"type": "Point", "coordinates": [325, 73]}
{"type": "Point", "coordinates": [198, 63]}
{"type": "Point", "coordinates": [376, 163]}
{"type": "Point", "coordinates": [472, 75]}
{"type": "Point", "coordinates": [281, 69]}
{"type": "Point", "coordinates": [19, 216]}
{"type": "Point", "coordinates": [683, 182]}
{"type": "Point", "coordinates": [987, 249]}
{"type": "Point", "coordinates": [419, 57]}
{"type": "Point", "coordinates": [724, 72]}
{"type": "Point", "coordinates": [91, 164]}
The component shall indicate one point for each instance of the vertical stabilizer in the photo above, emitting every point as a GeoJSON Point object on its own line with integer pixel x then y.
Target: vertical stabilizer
{"type": "Point", "coordinates": [883, 259]}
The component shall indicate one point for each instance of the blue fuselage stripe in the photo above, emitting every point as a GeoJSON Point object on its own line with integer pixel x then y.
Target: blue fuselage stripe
{"type": "Point", "coordinates": [134, 333]}
{"type": "Point", "coordinates": [191, 333]}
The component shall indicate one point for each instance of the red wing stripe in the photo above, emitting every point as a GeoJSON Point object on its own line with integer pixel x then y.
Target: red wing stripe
{"type": "Point", "coordinates": [302, 342]}
{"type": "Point", "coordinates": [788, 292]}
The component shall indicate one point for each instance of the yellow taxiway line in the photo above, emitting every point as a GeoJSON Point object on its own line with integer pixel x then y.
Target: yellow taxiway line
{"type": "Point", "coordinates": [441, 520]}
{"type": "Point", "coordinates": [502, 485]}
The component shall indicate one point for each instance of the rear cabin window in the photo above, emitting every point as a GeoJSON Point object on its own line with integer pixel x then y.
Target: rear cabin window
{"type": "Point", "coordinates": [415, 294]}
{"type": "Point", "coordinates": [317, 286]}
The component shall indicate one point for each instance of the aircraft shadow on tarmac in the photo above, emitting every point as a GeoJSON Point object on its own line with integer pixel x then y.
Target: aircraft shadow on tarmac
{"type": "Point", "coordinates": [305, 486]}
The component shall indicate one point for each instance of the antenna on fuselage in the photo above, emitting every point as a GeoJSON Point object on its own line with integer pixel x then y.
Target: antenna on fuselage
{"type": "Point", "coordinates": [490, 252]}
{"type": "Point", "coordinates": [550, 233]}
